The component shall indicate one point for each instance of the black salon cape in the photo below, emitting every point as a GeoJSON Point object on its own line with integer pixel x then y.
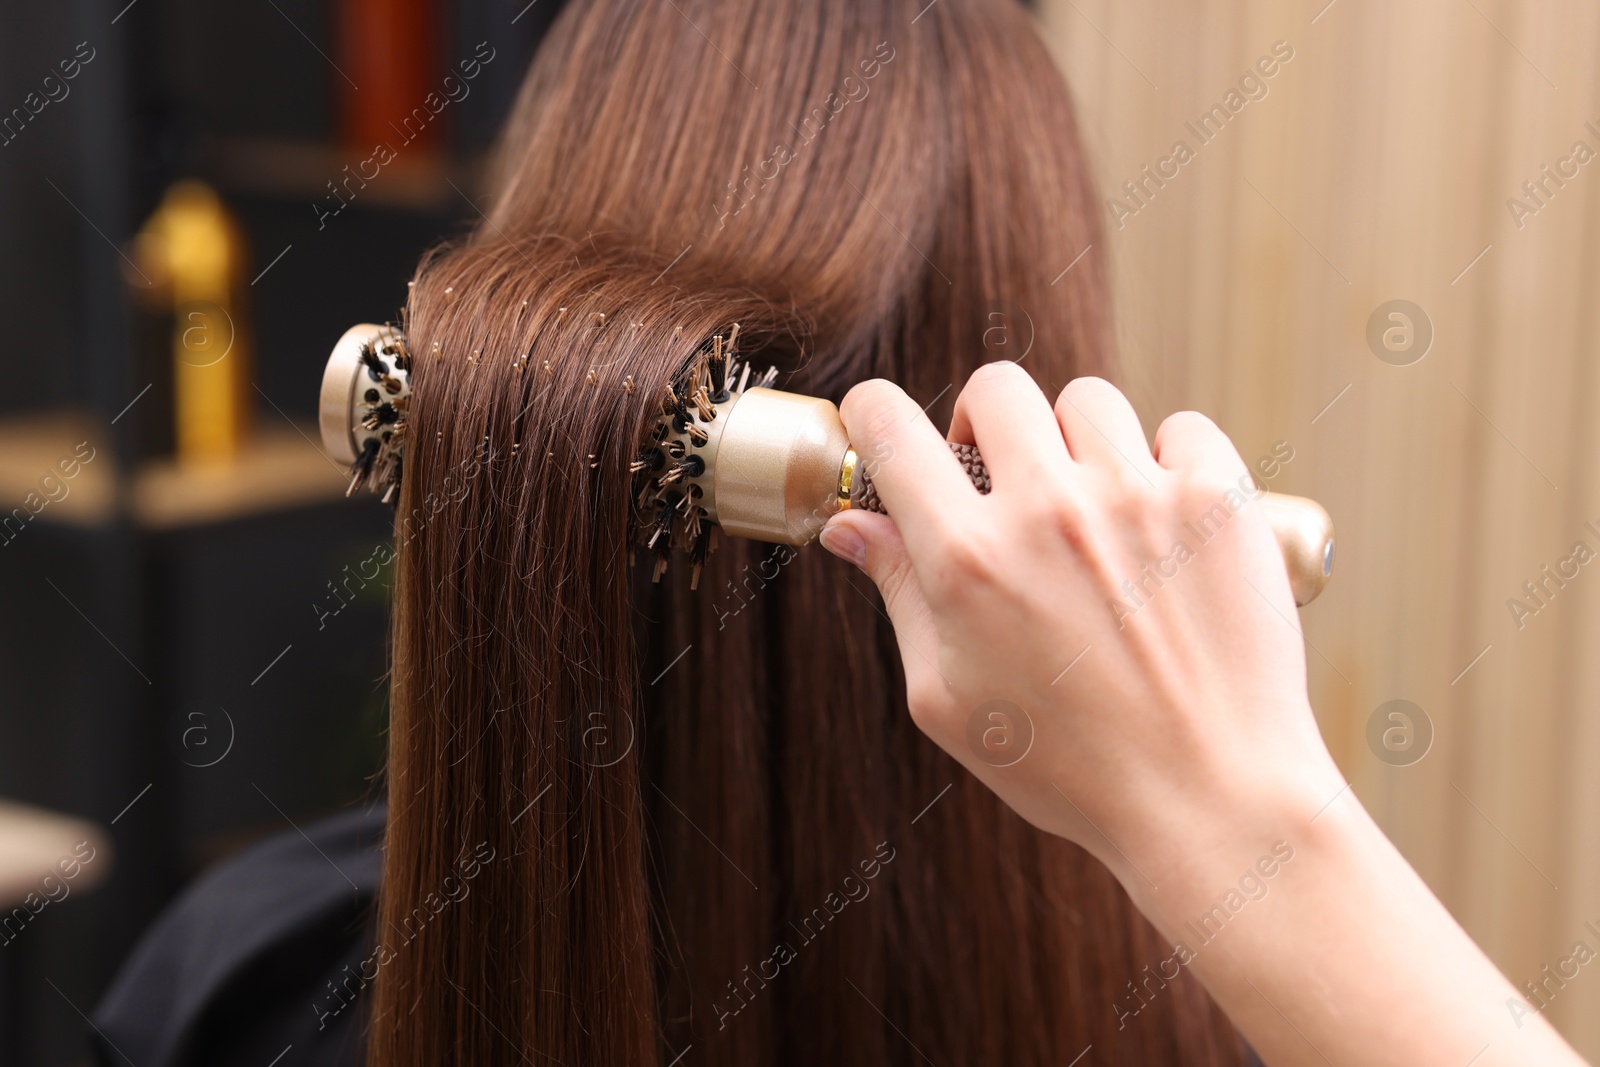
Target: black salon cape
{"type": "Point", "coordinates": [236, 970]}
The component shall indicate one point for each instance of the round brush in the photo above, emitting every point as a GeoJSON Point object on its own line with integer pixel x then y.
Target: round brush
{"type": "Point", "coordinates": [727, 452]}
{"type": "Point", "coordinates": [366, 393]}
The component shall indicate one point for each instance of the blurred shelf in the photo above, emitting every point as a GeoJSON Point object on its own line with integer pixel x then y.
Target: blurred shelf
{"type": "Point", "coordinates": [31, 447]}
{"type": "Point", "coordinates": [417, 180]}
{"type": "Point", "coordinates": [282, 468]}
{"type": "Point", "coordinates": [33, 845]}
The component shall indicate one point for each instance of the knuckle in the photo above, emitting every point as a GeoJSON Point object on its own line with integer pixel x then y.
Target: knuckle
{"type": "Point", "coordinates": [1057, 506]}
{"type": "Point", "coordinates": [990, 377]}
{"type": "Point", "coordinates": [1129, 513]}
{"type": "Point", "coordinates": [968, 564]}
{"type": "Point", "coordinates": [1108, 509]}
{"type": "Point", "coordinates": [869, 409]}
{"type": "Point", "coordinates": [1181, 424]}
{"type": "Point", "coordinates": [925, 699]}
{"type": "Point", "coordinates": [1191, 420]}
{"type": "Point", "coordinates": [1090, 385]}
{"type": "Point", "coordinates": [1086, 390]}
{"type": "Point", "coordinates": [879, 423]}
{"type": "Point", "coordinates": [1126, 479]}
{"type": "Point", "coordinates": [999, 370]}
{"type": "Point", "coordinates": [1130, 502]}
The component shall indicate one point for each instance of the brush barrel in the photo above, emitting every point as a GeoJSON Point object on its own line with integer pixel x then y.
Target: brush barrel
{"type": "Point", "coordinates": [773, 465]}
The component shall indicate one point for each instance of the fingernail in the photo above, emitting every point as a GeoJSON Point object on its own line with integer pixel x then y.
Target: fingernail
{"type": "Point", "coordinates": [846, 544]}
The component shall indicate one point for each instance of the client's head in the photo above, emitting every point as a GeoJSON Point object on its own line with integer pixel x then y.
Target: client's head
{"type": "Point", "coordinates": [710, 819]}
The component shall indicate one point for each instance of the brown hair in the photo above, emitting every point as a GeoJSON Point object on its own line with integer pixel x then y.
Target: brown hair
{"type": "Point", "coordinates": [628, 818]}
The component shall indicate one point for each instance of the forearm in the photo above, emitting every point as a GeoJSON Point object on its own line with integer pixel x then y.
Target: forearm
{"type": "Point", "coordinates": [1343, 955]}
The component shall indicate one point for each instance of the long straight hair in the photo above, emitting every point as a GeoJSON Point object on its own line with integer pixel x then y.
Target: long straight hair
{"type": "Point", "coordinates": [641, 824]}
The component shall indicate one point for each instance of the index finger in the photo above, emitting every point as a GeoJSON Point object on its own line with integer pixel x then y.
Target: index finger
{"type": "Point", "coordinates": [919, 479]}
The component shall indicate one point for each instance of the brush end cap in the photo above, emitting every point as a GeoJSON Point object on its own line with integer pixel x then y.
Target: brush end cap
{"type": "Point", "coordinates": [1305, 535]}
{"type": "Point", "coordinates": [336, 409]}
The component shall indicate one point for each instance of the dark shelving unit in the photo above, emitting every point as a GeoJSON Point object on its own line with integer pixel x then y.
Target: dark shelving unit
{"type": "Point", "coordinates": [151, 594]}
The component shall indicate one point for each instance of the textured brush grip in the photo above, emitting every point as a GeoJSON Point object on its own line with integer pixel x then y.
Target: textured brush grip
{"type": "Point", "coordinates": [1302, 527]}
{"type": "Point", "coordinates": [864, 495]}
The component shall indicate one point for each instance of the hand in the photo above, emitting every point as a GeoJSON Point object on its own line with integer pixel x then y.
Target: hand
{"type": "Point", "coordinates": [1128, 609]}
{"type": "Point", "coordinates": [1125, 608]}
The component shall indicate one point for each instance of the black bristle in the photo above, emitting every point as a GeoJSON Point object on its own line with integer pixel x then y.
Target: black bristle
{"type": "Point", "coordinates": [669, 515]}
{"type": "Point", "coordinates": [650, 459]}
{"type": "Point", "coordinates": [377, 369]}
{"type": "Point", "coordinates": [717, 365]}
{"type": "Point", "coordinates": [699, 551]}
{"type": "Point", "coordinates": [361, 469]}
{"type": "Point", "coordinates": [662, 535]}
{"type": "Point", "coordinates": [385, 414]}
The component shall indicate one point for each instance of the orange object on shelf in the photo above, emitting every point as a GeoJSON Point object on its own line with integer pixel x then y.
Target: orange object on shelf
{"type": "Point", "coordinates": [386, 47]}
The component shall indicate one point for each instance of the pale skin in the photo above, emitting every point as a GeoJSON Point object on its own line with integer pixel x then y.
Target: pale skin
{"type": "Point", "coordinates": [1174, 742]}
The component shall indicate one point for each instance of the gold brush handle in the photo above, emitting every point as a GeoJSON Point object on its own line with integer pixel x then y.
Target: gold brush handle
{"type": "Point", "coordinates": [1302, 526]}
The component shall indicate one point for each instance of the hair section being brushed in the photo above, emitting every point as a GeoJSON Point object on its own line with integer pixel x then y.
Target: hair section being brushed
{"type": "Point", "coordinates": [715, 836]}
{"type": "Point", "coordinates": [511, 642]}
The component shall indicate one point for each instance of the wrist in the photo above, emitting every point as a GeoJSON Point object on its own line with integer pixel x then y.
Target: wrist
{"type": "Point", "coordinates": [1227, 835]}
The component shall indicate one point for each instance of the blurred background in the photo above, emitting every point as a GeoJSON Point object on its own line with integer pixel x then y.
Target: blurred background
{"type": "Point", "coordinates": [1358, 233]}
{"type": "Point", "coordinates": [192, 211]}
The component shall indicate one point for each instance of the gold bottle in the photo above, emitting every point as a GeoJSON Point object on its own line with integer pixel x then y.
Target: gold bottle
{"type": "Point", "coordinates": [194, 254]}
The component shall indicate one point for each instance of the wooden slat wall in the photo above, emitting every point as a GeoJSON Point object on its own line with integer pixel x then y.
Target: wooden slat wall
{"type": "Point", "coordinates": [1378, 167]}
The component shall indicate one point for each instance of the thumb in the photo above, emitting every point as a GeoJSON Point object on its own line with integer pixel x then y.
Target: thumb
{"type": "Point", "coordinates": [872, 542]}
